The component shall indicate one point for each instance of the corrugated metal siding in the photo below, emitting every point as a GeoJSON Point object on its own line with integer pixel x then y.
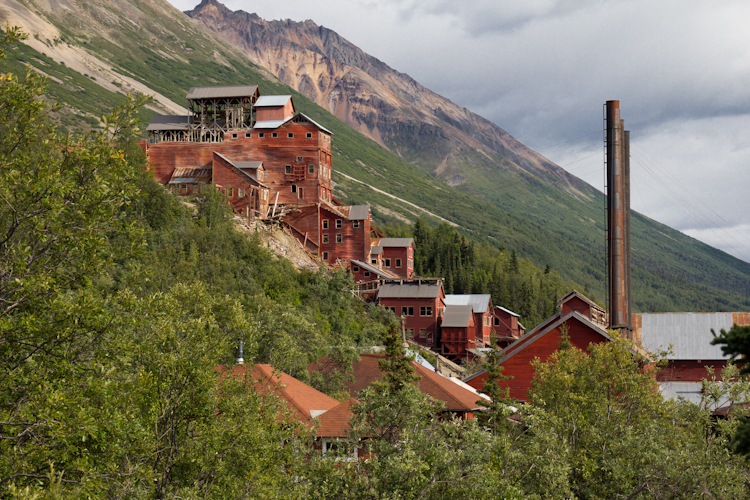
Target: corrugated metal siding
{"type": "Point", "coordinates": [689, 333]}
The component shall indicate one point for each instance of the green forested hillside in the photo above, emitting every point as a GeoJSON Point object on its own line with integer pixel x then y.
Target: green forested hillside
{"type": "Point", "coordinates": [549, 227]}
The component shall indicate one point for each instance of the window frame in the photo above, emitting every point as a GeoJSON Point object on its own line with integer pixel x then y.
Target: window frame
{"type": "Point", "coordinates": [324, 224]}
{"type": "Point", "coordinates": [325, 239]}
{"type": "Point", "coordinates": [339, 238]}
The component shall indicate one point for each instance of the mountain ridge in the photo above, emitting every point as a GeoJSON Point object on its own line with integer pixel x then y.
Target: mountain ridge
{"type": "Point", "coordinates": [385, 105]}
{"type": "Point", "coordinates": [516, 209]}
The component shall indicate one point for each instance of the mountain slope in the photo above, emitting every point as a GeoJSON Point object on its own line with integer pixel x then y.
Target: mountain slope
{"type": "Point", "coordinates": [110, 46]}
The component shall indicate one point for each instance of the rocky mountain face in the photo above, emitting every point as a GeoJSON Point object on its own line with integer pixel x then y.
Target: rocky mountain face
{"type": "Point", "coordinates": [381, 103]}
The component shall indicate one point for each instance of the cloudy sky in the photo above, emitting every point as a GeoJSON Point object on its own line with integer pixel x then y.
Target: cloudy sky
{"type": "Point", "coordinates": [542, 70]}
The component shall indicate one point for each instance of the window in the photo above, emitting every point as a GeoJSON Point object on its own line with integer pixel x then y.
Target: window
{"type": "Point", "coordinates": [234, 136]}
{"type": "Point", "coordinates": [407, 311]}
{"type": "Point", "coordinates": [274, 134]}
{"type": "Point", "coordinates": [294, 188]}
{"type": "Point", "coordinates": [355, 224]}
{"type": "Point", "coordinates": [425, 311]}
{"type": "Point", "coordinates": [248, 135]}
{"type": "Point", "coordinates": [261, 135]}
{"type": "Point", "coordinates": [422, 333]}
{"type": "Point", "coordinates": [387, 262]}
{"type": "Point", "coordinates": [325, 237]}
{"type": "Point", "coordinates": [410, 333]}
{"type": "Point", "coordinates": [325, 223]}
{"type": "Point", "coordinates": [367, 274]}
{"type": "Point", "coordinates": [308, 135]}
{"type": "Point", "coordinates": [287, 169]}
{"type": "Point", "coordinates": [183, 188]}
{"type": "Point", "coordinates": [338, 223]}
{"type": "Point", "coordinates": [325, 255]}
{"type": "Point", "coordinates": [339, 238]}
{"type": "Point", "coordinates": [311, 169]}
{"type": "Point", "coordinates": [230, 192]}
{"type": "Point", "coordinates": [398, 262]}
{"type": "Point", "coordinates": [392, 309]}
{"type": "Point", "coordinates": [300, 159]}
{"type": "Point", "coordinates": [497, 321]}
{"type": "Point", "coordinates": [374, 262]}
{"type": "Point", "coordinates": [290, 134]}
{"type": "Point", "coordinates": [355, 269]}
{"type": "Point", "coordinates": [240, 192]}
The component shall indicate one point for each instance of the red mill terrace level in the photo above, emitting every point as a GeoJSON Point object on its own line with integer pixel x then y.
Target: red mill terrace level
{"type": "Point", "coordinates": [618, 219]}
{"type": "Point", "coordinates": [231, 128]}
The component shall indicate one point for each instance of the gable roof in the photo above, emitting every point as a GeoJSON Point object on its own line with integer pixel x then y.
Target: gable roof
{"type": "Point", "coordinates": [574, 293]}
{"type": "Point", "coordinates": [219, 92]}
{"type": "Point", "coordinates": [272, 124]}
{"type": "Point", "coordinates": [455, 397]}
{"type": "Point", "coordinates": [410, 290]}
{"type": "Point", "coordinates": [304, 401]}
{"type": "Point", "coordinates": [479, 302]}
{"type": "Point", "coordinates": [539, 332]}
{"type": "Point", "coordinates": [457, 316]}
{"type": "Point", "coordinates": [688, 333]}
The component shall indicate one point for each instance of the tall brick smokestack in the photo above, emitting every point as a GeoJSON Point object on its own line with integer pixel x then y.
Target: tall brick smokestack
{"type": "Point", "coordinates": [618, 219]}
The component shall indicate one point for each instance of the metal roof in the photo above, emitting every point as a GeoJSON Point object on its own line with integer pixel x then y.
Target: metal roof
{"type": "Point", "coordinates": [373, 269]}
{"type": "Point", "coordinates": [395, 242]}
{"type": "Point", "coordinates": [190, 175]}
{"type": "Point", "coordinates": [688, 333]}
{"type": "Point", "coordinates": [252, 165]}
{"type": "Point", "coordinates": [410, 290]}
{"type": "Point", "coordinates": [270, 124]}
{"type": "Point", "coordinates": [507, 311]}
{"type": "Point", "coordinates": [221, 92]}
{"type": "Point", "coordinates": [480, 302]}
{"type": "Point", "coordinates": [457, 316]}
{"type": "Point", "coordinates": [168, 122]}
{"type": "Point", "coordinates": [272, 100]}
{"type": "Point", "coordinates": [376, 250]}
{"type": "Point", "coordinates": [359, 212]}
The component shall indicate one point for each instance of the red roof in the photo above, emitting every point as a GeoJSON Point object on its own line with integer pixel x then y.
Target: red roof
{"type": "Point", "coordinates": [335, 422]}
{"type": "Point", "coordinates": [304, 401]}
{"type": "Point", "coordinates": [367, 371]}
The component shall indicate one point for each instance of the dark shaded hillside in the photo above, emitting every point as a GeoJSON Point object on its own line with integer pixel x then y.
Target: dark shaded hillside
{"type": "Point", "coordinates": [161, 48]}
